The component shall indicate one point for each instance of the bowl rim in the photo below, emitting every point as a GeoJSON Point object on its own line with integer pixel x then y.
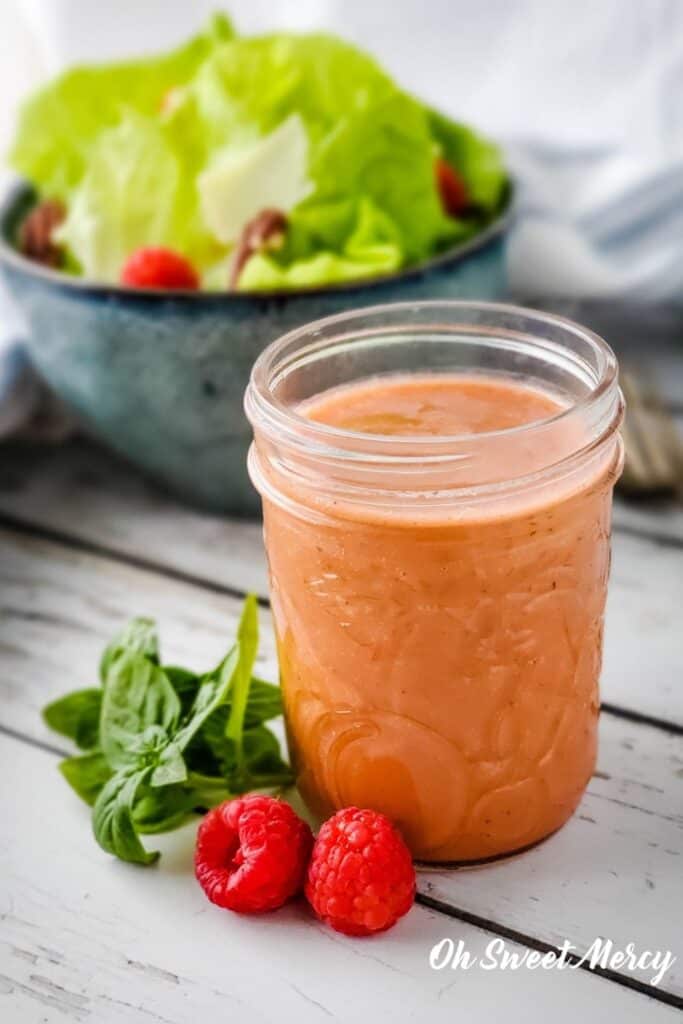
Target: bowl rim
{"type": "Point", "coordinates": [11, 257]}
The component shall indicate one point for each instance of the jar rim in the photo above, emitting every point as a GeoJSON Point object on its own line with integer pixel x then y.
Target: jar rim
{"type": "Point", "coordinates": [278, 419]}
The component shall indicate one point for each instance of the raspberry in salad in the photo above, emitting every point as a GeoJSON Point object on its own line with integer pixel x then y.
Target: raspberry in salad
{"type": "Point", "coordinates": [159, 268]}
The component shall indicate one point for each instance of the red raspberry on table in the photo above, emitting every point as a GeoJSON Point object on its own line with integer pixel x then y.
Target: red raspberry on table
{"type": "Point", "coordinates": [159, 268]}
{"type": "Point", "coordinates": [361, 877]}
{"type": "Point", "coordinates": [251, 854]}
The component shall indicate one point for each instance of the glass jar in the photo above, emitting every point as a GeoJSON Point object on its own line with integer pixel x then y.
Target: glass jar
{"type": "Point", "coordinates": [438, 600]}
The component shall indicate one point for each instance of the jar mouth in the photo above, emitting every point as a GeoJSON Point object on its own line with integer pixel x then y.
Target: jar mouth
{"type": "Point", "coordinates": [575, 349]}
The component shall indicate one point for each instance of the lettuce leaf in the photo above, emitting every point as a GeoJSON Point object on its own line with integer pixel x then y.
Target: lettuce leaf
{"type": "Point", "coordinates": [373, 204]}
{"type": "Point", "coordinates": [182, 150]}
{"type": "Point", "coordinates": [372, 248]}
{"type": "Point", "coordinates": [60, 123]}
{"type": "Point", "coordinates": [269, 172]}
{"type": "Point", "coordinates": [128, 198]}
{"type": "Point", "coordinates": [263, 79]}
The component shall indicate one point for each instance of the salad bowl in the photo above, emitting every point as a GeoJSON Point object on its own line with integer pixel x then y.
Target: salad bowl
{"type": "Point", "coordinates": [159, 375]}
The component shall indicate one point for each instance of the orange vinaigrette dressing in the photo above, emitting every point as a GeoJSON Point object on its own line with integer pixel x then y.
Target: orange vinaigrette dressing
{"type": "Point", "coordinates": [444, 670]}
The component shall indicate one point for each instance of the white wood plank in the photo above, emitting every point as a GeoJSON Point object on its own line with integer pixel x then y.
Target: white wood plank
{"type": "Point", "coordinates": [87, 493]}
{"type": "Point", "coordinates": [87, 939]}
{"type": "Point", "coordinates": [643, 652]}
{"type": "Point", "coordinates": [662, 518]}
{"type": "Point", "coordinates": [61, 606]}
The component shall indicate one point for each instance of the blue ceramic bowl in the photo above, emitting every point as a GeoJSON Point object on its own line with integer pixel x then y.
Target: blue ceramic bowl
{"type": "Point", "coordinates": [159, 376]}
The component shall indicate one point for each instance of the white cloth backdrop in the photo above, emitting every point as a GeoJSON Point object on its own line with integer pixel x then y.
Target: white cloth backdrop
{"type": "Point", "coordinates": [586, 96]}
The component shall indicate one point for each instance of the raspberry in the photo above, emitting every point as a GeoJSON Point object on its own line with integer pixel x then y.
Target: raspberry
{"type": "Point", "coordinates": [361, 877]}
{"type": "Point", "coordinates": [159, 268]}
{"type": "Point", "coordinates": [452, 188]}
{"type": "Point", "coordinates": [251, 854]}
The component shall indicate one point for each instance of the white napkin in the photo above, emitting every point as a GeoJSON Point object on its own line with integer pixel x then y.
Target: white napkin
{"type": "Point", "coordinates": [596, 224]}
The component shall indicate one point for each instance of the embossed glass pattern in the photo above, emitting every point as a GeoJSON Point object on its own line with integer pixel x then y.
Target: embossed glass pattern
{"type": "Point", "coordinates": [438, 600]}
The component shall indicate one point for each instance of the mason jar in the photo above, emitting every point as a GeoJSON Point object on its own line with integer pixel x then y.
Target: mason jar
{"type": "Point", "coordinates": [438, 596]}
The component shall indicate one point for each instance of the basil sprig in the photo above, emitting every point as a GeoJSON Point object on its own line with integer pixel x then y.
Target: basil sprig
{"type": "Point", "coordinates": [160, 744]}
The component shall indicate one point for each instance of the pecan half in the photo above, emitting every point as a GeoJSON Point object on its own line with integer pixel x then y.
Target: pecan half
{"type": "Point", "coordinates": [35, 233]}
{"type": "Point", "coordinates": [264, 231]}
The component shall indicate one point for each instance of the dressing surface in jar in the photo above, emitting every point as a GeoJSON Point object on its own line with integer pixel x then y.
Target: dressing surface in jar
{"type": "Point", "coordinates": [436, 482]}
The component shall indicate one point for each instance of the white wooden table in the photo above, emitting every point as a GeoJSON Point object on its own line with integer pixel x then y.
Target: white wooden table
{"type": "Point", "coordinates": [85, 544]}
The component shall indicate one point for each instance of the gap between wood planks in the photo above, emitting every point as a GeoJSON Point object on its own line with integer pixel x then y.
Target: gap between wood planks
{"type": "Point", "coordinates": [485, 924]}
{"type": "Point", "coordinates": [27, 528]}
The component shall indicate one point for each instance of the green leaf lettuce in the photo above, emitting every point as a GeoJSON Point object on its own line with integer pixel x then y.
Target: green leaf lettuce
{"type": "Point", "coordinates": [181, 150]}
{"type": "Point", "coordinates": [62, 121]}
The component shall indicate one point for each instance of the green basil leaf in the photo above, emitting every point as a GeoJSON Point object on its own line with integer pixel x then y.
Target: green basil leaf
{"type": "Point", "coordinates": [247, 638]}
{"type": "Point", "coordinates": [208, 790]}
{"type": "Point", "coordinates": [170, 767]}
{"type": "Point", "coordinates": [213, 691]}
{"type": "Point", "coordinates": [208, 751]}
{"type": "Point", "coordinates": [139, 636]}
{"type": "Point", "coordinates": [86, 774]}
{"type": "Point", "coordinates": [150, 748]}
{"type": "Point", "coordinates": [137, 695]}
{"type": "Point", "coordinates": [112, 818]}
{"type": "Point", "coordinates": [159, 810]}
{"type": "Point", "coordinates": [199, 756]}
{"type": "Point", "coordinates": [262, 753]}
{"type": "Point", "coordinates": [162, 810]}
{"type": "Point", "coordinates": [77, 716]}
{"type": "Point", "coordinates": [264, 702]}
{"type": "Point", "coordinates": [262, 760]}
{"type": "Point", "coordinates": [185, 683]}
{"type": "Point", "coordinates": [164, 743]}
